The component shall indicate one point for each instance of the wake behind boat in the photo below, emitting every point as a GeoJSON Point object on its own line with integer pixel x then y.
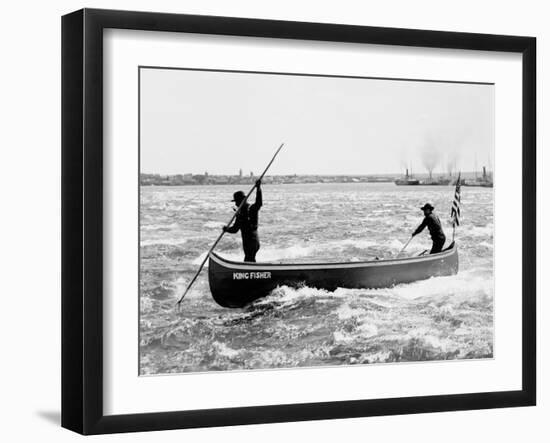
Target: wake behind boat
{"type": "Point", "coordinates": [235, 284]}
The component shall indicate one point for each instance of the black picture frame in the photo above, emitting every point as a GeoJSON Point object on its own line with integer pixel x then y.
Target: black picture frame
{"type": "Point", "coordinates": [82, 219]}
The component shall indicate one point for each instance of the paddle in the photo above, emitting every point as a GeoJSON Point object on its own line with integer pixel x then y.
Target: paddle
{"type": "Point", "coordinates": [228, 224]}
{"type": "Point", "coordinates": [404, 247]}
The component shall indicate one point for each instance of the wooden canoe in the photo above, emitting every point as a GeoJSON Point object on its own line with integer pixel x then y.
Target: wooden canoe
{"type": "Point", "coordinates": [235, 284]}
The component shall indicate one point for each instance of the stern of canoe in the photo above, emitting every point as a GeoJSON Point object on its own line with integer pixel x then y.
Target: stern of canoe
{"type": "Point", "coordinates": [235, 288]}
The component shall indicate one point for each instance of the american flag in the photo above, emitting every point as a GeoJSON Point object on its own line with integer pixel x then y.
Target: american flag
{"type": "Point", "coordinates": [455, 208]}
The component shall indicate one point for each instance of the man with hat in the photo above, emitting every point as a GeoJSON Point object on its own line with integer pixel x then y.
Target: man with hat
{"type": "Point", "coordinates": [434, 227]}
{"type": "Point", "coordinates": [247, 221]}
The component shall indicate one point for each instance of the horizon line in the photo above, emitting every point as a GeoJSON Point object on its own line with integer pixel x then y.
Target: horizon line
{"type": "Point", "coordinates": [317, 174]}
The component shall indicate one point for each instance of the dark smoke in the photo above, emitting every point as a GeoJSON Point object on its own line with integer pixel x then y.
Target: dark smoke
{"type": "Point", "coordinates": [430, 155]}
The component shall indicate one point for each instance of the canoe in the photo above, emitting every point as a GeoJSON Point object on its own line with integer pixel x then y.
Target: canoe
{"type": "Point", "coordinates": [235, 284]}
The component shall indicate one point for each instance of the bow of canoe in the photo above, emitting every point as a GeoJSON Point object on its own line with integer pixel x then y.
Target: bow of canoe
{"type": "Point", "coordinates": [235, 284]}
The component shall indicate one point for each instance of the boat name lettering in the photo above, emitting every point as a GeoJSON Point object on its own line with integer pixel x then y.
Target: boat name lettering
{"type": "Point", "coordinates": [251, 275]}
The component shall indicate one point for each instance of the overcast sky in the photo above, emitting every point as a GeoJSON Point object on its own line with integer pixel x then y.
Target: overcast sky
{"type": "Point", "coordinates": [197, 121]}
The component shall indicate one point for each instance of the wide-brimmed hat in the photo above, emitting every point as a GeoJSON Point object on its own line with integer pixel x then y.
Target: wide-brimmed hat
{"type": "Point", "coordinates": [427, 206]}
{"type": "Point", "coordinates": [239, 195]}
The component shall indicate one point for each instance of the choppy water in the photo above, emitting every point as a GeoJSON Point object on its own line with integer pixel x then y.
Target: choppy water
{"type": "Point", "coordinates": [436, 319]}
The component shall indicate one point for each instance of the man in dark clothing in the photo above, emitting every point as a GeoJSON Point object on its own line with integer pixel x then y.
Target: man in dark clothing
{"type": "Point", "coordinates": [434, 226]}
{"type": "Point", "coordinates": [247, 222]}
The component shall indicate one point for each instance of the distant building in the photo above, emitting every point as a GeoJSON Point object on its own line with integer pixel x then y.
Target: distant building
{"type": "Point", "coordinates": [188, 179]}
{"type": "Point", "coordinates": [240, 172]}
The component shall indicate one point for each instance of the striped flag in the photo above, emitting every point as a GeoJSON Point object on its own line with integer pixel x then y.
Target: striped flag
{"type": "Point", "coordinates": [455, 208]}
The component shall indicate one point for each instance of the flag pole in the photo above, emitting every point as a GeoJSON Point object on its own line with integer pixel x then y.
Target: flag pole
{"type": "Point", "coordinates": [455, 208]}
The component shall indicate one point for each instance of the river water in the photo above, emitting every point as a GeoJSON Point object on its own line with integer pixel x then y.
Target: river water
{"type": "Point", "coordinates": [436, 319]}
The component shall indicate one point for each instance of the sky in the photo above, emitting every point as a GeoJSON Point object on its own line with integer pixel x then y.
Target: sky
{"type": "Point", "coordinates": [220, 122]}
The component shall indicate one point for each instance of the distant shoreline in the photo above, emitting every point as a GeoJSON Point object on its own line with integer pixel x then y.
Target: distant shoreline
{"type": "Point", "coordinates": [207, 179]}
{"type": "Point", "coordinates": [264, 183]}
{"type": "Point", "coordinates": [190, 180]}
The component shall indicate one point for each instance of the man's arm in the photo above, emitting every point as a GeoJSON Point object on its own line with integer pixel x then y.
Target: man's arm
{"type": "Point", "coordinates": [259, 201]}
{"type": "Point", "coordinates": [233, 229]}
{"type": "Point", "coordinates": [421, 227]}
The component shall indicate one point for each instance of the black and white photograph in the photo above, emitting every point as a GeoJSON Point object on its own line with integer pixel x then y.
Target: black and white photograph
{"type": "Point", "coordinates": [298, 220]}
{"type": "Point", "coordinates": [276, 221]}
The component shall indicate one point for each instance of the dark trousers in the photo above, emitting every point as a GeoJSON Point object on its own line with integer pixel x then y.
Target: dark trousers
{"type": "Point", "coordinates": [437, 245]}
{"type": "Point", "coordinates": [250, 249]}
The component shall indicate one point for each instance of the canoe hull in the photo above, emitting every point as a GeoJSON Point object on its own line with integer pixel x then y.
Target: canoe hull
{"type": "Point", "coordinates": [235, 284]}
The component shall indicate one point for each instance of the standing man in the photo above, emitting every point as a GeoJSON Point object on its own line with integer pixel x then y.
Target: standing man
{"type": "Point", "coordinates": [434, 226]}
{"type": "Point", "coordinates": [247, 222]}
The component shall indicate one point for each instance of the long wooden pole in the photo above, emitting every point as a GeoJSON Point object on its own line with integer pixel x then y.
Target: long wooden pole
{"type": "Point", "coordinates": [404, 247]}
{"type": "Point", "coordinates": [228, 224]}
